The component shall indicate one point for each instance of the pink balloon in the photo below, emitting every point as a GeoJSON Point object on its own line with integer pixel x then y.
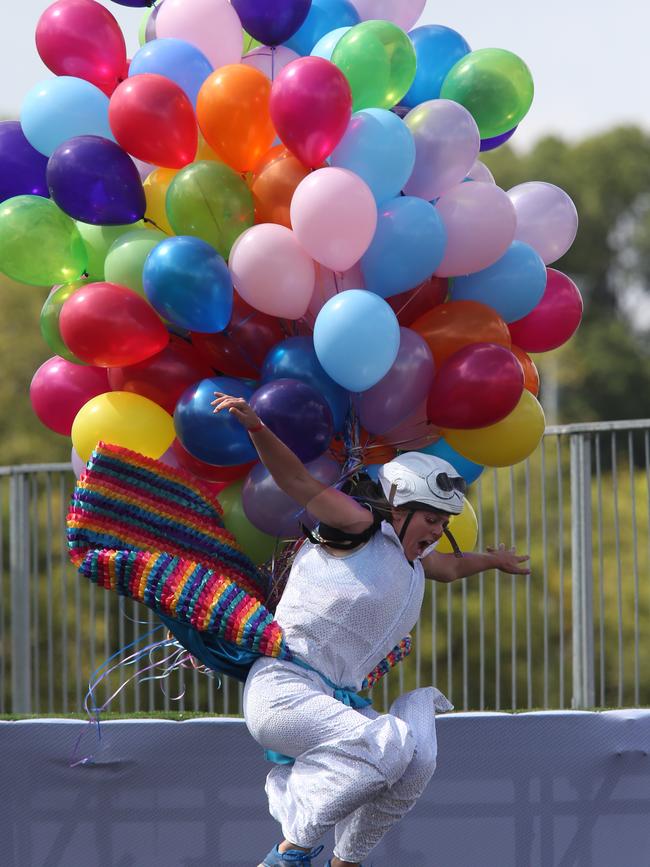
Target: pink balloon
{"type": "Point", "coordinates": [211, 25]}
{"type": "Point", "coordinates": [270, 61]}
{"type": "Point", "coordinates": [480, 172]}
{"type": "Point", "coordinates": [82, 39]}
{"type": "Point", "coordinates": [402, 390]}
{"type": "Point", "coordinates": [329, 284]}
{"type": "Point", "coordinates": [60, 388]}
{"type": "Point", "coordinates": [447, 143]}
{"type": "Point", "coordinates": [78, 466]}
{"type": "Point", "coordinates": [271, 271]}
{"type": "Point", "coordinates": [546, 218]}
{"type": "Point", "coordinates": [311, 105]}
{"type": "Point", "coordinates": [480, 221]}
{"type": "Point", "coordinates": [554, 320]}
{"type": "Point", "coordinates": [476, 387]}
{"type": "Point", "coordinates": [404, 13]}
{"type": "Point", "coordinates": [334, 216]}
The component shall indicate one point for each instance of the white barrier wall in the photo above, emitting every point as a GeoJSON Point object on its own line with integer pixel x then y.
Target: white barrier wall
{"type": "Point", "coordinates": [551, 789]}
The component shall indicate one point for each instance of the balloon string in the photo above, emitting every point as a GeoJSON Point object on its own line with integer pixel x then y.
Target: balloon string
{"type": "Point", "coordinates": [153, 223]}
{"type": "Point", "coordinates": [273, 63]}
{"type": "Point", "coordinates": [412, 298]}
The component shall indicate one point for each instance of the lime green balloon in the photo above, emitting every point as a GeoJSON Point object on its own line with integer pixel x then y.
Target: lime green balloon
{"type": "Point", "coordinates": [259, 546]}
{"type": "Point", "coordinates": [494, 85]}
{"type": "Point", "coordinates": [39, 244]}
{"type": "Point", "coordinates": [98, 241]}
{"type": "Point", "coordinates": [210, 200]}
{"type": "Point", "coordinates": [378, 60]}
{"type": "Point", "coordinates": [250, 43]}
{"type": "Point", "coordinates": [142, 29]}
{"type": "Point", "coordinates": [125, 260]}
{"type": "Point", "coordinates": [49, 320]}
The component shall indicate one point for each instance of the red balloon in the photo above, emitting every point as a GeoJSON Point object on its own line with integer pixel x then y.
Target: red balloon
{"type": "Point", "coordinates": [311, 105]}
{"type": "Point", "coordinates": [409, 305]}
{"type": "Point", "coordinates": [475, 387]}
{"type": "Point", "coordinates": [153, 119]}
{"type": "Point", "coordinates": [554, 320]}
{"type": "Point", "coordinates": [81, 38]}
{"type": "Point", "coordinates": [241, 348]}
{"type": "Point", "coordinates": [163, 377]}
{"type": "Point", "coordinates": [60, 388]}
{"type": "Point", "coordinates": [109, 326]}
{"type": "Point", "coordinates": [208, 472]}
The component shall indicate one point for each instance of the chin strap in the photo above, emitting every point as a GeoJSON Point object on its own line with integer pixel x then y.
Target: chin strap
{"type": "Point", "coordinates": [453, 542]}
{"type": "Point", "coordinates": [405, 525]}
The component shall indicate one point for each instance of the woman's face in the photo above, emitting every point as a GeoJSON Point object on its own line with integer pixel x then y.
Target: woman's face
{"type": "Point", "coordinates": [424, 529]}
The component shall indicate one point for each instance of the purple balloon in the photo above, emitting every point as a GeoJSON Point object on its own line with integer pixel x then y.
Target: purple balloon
{"type": "Point", "coordinates": [489, 144]}
{"type": "Point", "coordinates": [150, 27]}
{"type": "Point", "coordinates": [272, 21]}
{"type": "Point", "coordinates": [297, 414]}
{"type": "Point", "coordinates": [93, 180]}
{"type": "Point", "coordinates": [22, 167]}
{"type": "Point", "coordinates": [276, 513]}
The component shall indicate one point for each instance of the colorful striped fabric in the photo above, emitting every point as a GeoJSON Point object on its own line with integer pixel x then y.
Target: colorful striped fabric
{"type": "Point", "coordinates": [397, 654]}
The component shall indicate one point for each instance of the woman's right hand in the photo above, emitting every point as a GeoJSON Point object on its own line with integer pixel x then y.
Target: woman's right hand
{"type": "Point", "coordinates": [239, 408]}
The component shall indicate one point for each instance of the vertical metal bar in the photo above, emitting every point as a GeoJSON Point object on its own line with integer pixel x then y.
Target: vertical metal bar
{"type": "Point", "coordinates": [21, 664]}
{"type": "Point", "coordinates": [560, 533]}
{"type": "Point", "coordinates": [619, 576]}
{"type": "Point", "coordinates": [418, 655]}
{"type": "Point", "coordinates": [635, 566]}
{"type": "Point", "coordinates": [497, 600]}
{"type": "Point", "coordinates": [465, 648]}
{"type": "Point", "coordinates": [151, 693]}
{"type": "Point", "coordinates": [481, 625]}
{"type": "Point", "coordinates": [434, 632]}
{"type": "Point", "coordinates": [64, 605]}
{"type": "Point", "coordinates": [582, 633]}
{"type": "Point", "coordinates": [4, 640]}
{"type": "Point", "coordinates": [529, 642]}
{"type": "Point", "coordinates": [135, 620]}
{"type": "Point", "coordinates": [106, 625]}
{"type": "Point", "coordinates": [121, 617]}
{"type": "Point", "coordinates": [601, 573]}
{"type": "Point", "coordinates": [544, 565]}
{"type": "Point", "coordinates": [34, 577]}
{"type": "Point", "coordinates": [450, 649]}
{"type": "Point", "coordinates": [50, 593]}
{"type": "Point", "coordinates": [513, 597]}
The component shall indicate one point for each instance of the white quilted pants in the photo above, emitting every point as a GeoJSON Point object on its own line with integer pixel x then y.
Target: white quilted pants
{"type": "Point", "coordinates": [356, 771]}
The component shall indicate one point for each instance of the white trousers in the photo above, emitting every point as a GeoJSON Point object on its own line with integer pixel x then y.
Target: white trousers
{"type": "Point", "coordinates": [356, 771]}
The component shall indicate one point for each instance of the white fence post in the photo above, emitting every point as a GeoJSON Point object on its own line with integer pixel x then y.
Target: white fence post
{"type": "Point", "coordinates": [582, 573]}
{"type": "Point", "coordinates": [21, 658]}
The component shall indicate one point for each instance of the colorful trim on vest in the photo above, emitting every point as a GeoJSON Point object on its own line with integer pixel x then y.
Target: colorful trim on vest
{"type": "Point", "coordinates": [397, 654]}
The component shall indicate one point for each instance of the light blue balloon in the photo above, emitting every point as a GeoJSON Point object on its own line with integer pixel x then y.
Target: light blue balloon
{"type": "Point", "coordinates": [61, 108]}
{"type": "Point", "coordinates": [407, 247]}
{"type": "Point", "coordinates": [323, 17]}
{"type": "Point", "coordinates": [380, 148]}
{"type": "Point", "coordinates": [464, 467]}
{"type": "Point", "coordinates": [356, 338]}
{"type": "Point", "coordinates": [437, 49]}
{"type": "Point", "coordinates": [177, 60]}
{"type": "Point", "coordinates": [326, 44]}
{"type": "Point", "coordinates": [512, 286]}
{"type": "Point", "coordinates": [189, 284]}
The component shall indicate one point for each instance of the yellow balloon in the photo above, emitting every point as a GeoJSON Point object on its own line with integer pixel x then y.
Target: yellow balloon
{"type": "Point", "coordinates": [508, 441]}
{"type": "Point", "coordinates": [464, 528]}
{"type": "Point", "coordinates": [124, 419]}
{"type": "Point", "coordinates": [155, 190]}
{"type": "Point", "coordinates": [205, 152]}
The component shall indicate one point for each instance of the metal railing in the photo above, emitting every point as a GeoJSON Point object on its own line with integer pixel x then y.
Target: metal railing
{"type": "Point", "coordinates": [574, 633]}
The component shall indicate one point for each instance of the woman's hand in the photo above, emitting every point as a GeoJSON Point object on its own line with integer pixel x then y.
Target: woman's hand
{"type": "Point", "coordinates": [507, 560]}
{"type": "Point", "coordinates": [238, 407]}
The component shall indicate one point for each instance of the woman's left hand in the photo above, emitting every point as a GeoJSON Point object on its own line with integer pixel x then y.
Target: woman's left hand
{"type": "Point", "coordinates": [507, 560]}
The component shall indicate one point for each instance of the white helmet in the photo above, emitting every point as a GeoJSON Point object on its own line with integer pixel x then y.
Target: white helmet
{"type": "Point", "coordinates": [424, 479]}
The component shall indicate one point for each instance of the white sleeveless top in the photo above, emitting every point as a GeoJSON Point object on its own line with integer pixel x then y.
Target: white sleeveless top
{"type": "Point", "coordinates": [344, 614]}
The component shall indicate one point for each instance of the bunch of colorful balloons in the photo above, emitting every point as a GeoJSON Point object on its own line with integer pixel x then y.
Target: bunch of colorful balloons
{"type": "Point", "coordinates": [306, 225]}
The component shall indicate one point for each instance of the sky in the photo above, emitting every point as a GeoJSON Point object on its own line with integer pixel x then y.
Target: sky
{"type": "Point", "coordinates": [589, 59]}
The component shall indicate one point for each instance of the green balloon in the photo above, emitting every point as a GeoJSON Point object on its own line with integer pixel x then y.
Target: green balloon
{"type": "Point", "coordinates": [494, 85]}
{"type": "Point", "coordinates": [250, 43]}
{"type": "Point", "coordinates": [209, 200]}
{"type": "Point", "coordinates": [49, 321]}
{"type": "Point", "coordinates": [98, 241]}
{"type": "Point", "coordinates": [39, 244]}
{"type": "Point", "coordinates": [125, 260]}
{"type": "Point", "coordinates": [259, 546]}
{"type": "Point", "coordinates": [378, 60]}
{"type": "Point", "coordinates": [142, 29]}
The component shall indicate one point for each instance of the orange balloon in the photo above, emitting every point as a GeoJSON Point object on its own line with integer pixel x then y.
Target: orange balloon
{"type": "Point", "coordinates": [275, 181]}
{"type": "Point", "coordinates": [531, 374]}
{"type": "Point", "coordinates": [456, 324]}
{"type": "Point", "coordinates": [233, 114]}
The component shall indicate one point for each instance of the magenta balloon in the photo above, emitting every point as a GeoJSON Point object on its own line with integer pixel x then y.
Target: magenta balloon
{"type": "Point", "coordinates": [475, 387]}
{"type": "Point", "coordinates": [311, 105]}
{"type": "Point", "coordinates": [274, 512]}
{"type": "Point", "coordinates": [480, 221]}
{"type": "Point", "coordinates": [81, 38]}
{"type": "Point", "coordinates": [554, 320]}
{"type": "Point", "coordinates": [60, 388]}
{"type": "Point", "coordinates": [404, 387]}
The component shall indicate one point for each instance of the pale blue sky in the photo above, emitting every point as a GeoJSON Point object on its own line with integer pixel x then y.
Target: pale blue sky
{"type": "Point", "coordinates": [589, 59]}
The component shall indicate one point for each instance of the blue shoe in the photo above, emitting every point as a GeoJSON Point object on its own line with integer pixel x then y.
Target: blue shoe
{"type": "Point", "coordinates": [275, 858]}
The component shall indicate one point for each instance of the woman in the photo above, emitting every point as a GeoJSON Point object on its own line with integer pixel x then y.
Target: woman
{"type": "Point", "coordinates": [352, 594]}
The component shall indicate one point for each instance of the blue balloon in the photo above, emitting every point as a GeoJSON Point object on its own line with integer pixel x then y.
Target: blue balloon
{"type": "Point", "coordinates": [62, 108]}
{"type": "Point", "coordinates": [188, 283]}
{"type": "Point", "coordinates": [295, 358]}
{"type": "Point", "coordinates": [407, 247]}
{"type": "Point", "coordinates": [216, 438]}
{"type": "Point", "coordinates": [437, 49]}
{"type": "Point", "coordinates": [380, 148]}
{"type": "Point", "coordinates": [323, 16]}
{"type": "Point", "coordinates": [356, 338]}
{"type": "Point", "coordinates": [512, 286]}
{"type": "Point", "coordinates": [22, 167]}
{"type": "Point", "coordinates": [464, 467]}
{"type": "Point", "coordinates": [326, 44]}
{"type": "Point", "coordinates": [177, 60]}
